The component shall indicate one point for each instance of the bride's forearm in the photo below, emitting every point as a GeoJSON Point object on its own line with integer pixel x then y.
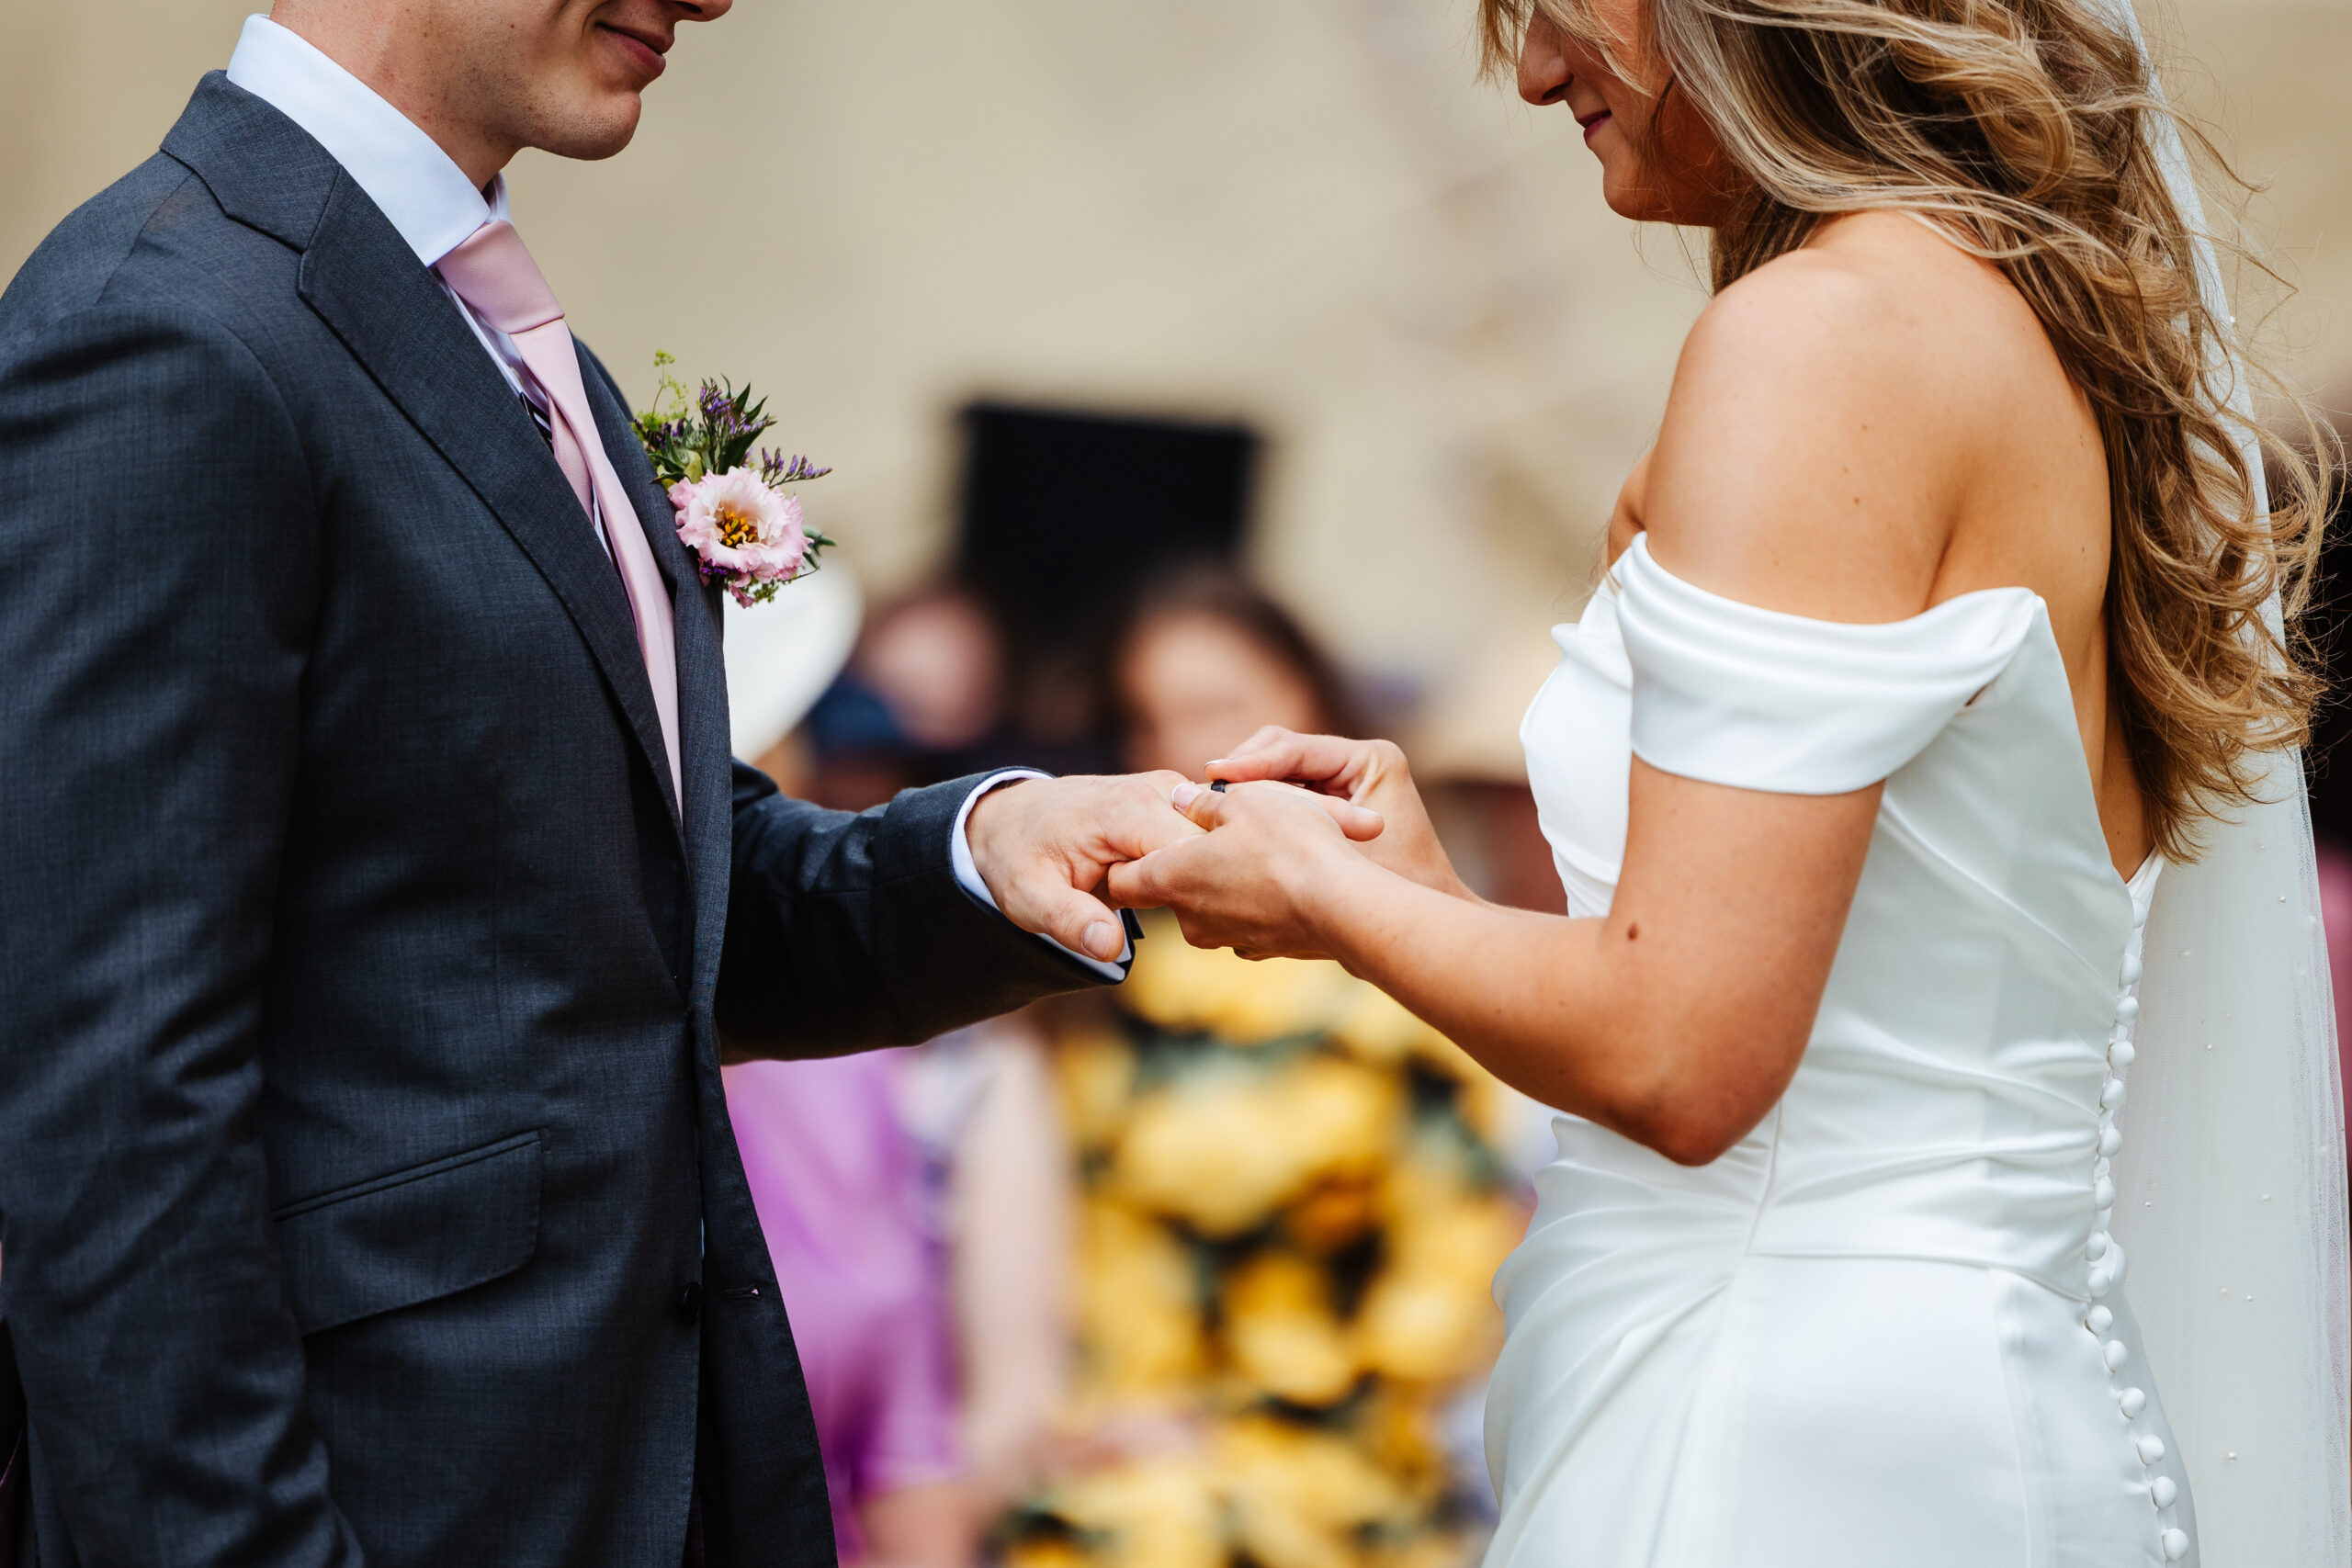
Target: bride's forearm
{"type": "Point", "coordinates": [1646, 1026]}
{"type": "Point", "coordinates": [1533, 998]}
{"type": "Point", "coordinates": [1677, 1020]}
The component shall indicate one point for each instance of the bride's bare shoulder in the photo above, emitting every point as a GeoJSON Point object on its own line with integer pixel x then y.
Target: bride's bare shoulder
{"type": "Point", "coordinates": [1828, 413]}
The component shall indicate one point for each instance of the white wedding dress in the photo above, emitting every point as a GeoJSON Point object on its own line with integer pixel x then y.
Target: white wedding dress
{"type": "Point", "coordinates": [1889, 1328]}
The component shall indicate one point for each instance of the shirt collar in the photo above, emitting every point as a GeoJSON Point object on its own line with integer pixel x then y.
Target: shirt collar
{"type": "Point", "coordinates": [403, 170]}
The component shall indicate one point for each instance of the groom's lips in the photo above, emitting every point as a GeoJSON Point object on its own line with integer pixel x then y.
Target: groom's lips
{"type": "Point", "coordinates": [645, 49]}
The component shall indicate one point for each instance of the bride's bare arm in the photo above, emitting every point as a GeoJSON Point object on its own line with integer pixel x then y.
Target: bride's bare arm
{"type": "Point", "coordinates": [1678, 1020]}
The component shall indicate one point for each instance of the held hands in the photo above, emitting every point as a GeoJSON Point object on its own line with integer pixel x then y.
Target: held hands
{"type": "Point", "coordinates": [1257, 881]}
{"type": "Point", "coordinates": [1364, 773]}
{"type": "Point", "coordinates": [1306, 817]}
{"type": "Point", "coordinates": [1043, 845]}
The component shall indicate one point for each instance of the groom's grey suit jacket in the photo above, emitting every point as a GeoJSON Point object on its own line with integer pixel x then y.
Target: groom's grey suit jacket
{"type": "Point", "coordinates": [367, 1191]}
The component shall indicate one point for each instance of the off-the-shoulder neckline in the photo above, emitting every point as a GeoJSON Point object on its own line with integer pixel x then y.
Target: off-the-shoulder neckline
{"type": "Point", "coordinates": [2139, 884]}
{"type": "Point", "coordinates": [1941, 610]}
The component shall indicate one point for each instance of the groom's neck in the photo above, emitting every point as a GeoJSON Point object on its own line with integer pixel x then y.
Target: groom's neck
{"type": "Point", "coordinates": [410, 55]}
{"type": "Point", "coordinates": [487, 78]}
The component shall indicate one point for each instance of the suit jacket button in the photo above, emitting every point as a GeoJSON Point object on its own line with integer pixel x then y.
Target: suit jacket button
{"type": "Point", "coordinates": [689, 1301]}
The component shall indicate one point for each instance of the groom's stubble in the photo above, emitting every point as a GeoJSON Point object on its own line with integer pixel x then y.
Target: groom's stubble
{"type": "Point", "coordinates": [487, 78]}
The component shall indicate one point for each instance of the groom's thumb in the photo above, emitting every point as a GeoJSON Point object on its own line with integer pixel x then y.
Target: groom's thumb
{"type": "Point", "coordinates": [1080, 922]}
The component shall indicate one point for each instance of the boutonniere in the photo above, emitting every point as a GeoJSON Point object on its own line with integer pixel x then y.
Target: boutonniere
{"type": "Point", "coordinates": [734, 513]}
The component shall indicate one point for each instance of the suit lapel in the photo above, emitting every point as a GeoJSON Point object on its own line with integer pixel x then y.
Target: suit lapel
{"type": "Point", "coordinates": [365, 282]}
{"type": "Point", "coordinates": [704, 744]}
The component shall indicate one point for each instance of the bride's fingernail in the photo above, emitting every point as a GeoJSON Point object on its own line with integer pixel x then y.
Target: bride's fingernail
{"type": "Point", "coordinates": [1102, 941]}
{"type": "Point", "coordinates": [1183, 795]}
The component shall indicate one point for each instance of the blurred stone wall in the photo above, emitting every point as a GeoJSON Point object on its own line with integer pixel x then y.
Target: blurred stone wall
{"type": "Point", "coordinates": [1308, 213]}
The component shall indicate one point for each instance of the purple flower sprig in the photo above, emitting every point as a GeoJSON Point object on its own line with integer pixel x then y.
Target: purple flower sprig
{"type": "Point", "coordinates": [749, 535]}
{"type": "Point", "coordinates": [777, 469]}
{"type": "Point", "coordinates": [711, 431]}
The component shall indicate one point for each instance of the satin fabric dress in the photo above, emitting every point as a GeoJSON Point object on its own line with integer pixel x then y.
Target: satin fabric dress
{"type": "Point", "coordinates": [1888, 1326]}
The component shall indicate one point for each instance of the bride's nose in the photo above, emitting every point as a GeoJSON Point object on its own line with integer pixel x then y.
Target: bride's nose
{"type": "Point", "coordinates": [1543, 73]}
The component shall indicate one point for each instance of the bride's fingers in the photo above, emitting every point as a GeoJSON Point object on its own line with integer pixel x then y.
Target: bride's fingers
{"type": "Point", "coordinates": [1205, 805]}
{"type": "Point", "coordinates": [1266, 735]}
{"type": "Point", "coordinates": [1207, 808]}
{"type": "Point", "coordinates": [1277, 753]}
{"type": "Point", "coordinates": [1156, 882]}
{"type": "Point", "coordinates": [1134, 885]}
{"type": "Point", "coordinates": [1360, 823]}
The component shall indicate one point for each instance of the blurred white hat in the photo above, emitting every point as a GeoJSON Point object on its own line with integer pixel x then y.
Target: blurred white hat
{"type": "Point", "coordinates": [782, 655]}
{"type": "Point", "coordinates": [1470, 733]}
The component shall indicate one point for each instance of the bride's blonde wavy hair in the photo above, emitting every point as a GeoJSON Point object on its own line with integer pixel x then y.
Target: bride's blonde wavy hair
{"type": "Point", "coordinates": [2019, 127]}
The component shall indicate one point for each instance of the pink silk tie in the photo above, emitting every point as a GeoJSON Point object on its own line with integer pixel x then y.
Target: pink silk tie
{"type": "Point", "coordinates": [493, 272]}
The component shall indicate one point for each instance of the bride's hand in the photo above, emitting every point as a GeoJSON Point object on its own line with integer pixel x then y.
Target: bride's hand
{"type": "Point", "coordinates": [1364, 773]}
{"type": "Point", "coordinates": [1256, 881]}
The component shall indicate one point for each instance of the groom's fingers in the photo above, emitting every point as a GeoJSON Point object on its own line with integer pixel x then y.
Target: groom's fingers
{"type": "Point", "coordinates": [1115, 821]}
{"type": "Point", "coordinates": [1168, 878]}
{"type": "Point", "coordinates": [1133, 819]}
{"type": "Point", "coordinates": [1076, 921]}
{"type": "Point", "coordinates": [1041, 844]}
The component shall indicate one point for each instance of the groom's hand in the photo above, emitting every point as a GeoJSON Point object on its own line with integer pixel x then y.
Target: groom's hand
{"type": "Point", "coordinates": [1043, 846]}
{"type": "Point", "coordinates": [1262, 880]}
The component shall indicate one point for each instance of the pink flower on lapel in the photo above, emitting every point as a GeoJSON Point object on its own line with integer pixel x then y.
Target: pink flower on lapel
{"type": "Point", "coordinates": [749, 535]}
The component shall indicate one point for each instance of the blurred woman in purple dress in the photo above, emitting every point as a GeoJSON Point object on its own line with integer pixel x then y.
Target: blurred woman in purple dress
{"type": "Point", "coordinates": [843, 1194]}
{"type": "Point", "coordinates": [839, 1185]}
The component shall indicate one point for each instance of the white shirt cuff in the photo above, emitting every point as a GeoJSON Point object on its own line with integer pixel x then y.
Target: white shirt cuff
{"type": "Point", "coordinates": [967, 873]}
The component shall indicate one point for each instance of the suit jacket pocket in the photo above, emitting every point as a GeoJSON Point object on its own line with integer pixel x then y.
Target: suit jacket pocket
{"type": "Point", "coordinates": [428, 1231]}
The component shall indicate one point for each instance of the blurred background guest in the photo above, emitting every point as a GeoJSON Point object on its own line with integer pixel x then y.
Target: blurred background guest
{"type": "Point", "coordinates": [1205, 660]}
{"type": "Point", "coordinates": [1473, 773]}
{"type": "Point", "coordinates": [1211, 1255]}
{"type": "Point", "coordinates": [781, 663]}
{"type": "Point", "coordinates": [923, 699]}
{"type": "Point", "coordinates": [1291, 1196]}
{"type": "Point", "coordinates": [839, 1187]}
{"type": "Point", "coordinates": [915, 1204]}
{"type": "Point", "coordinates": [982, 1105]}
{"type": "Point", "coordinates": [842, 1187]}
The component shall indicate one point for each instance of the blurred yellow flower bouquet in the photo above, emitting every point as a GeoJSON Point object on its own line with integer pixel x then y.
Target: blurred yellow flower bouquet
{"type": "Point", "coordinates": [1293, 1208]}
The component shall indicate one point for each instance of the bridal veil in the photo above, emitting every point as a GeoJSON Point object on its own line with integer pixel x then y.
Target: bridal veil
{"type": "Point", "coordinates": [2231, 1201]}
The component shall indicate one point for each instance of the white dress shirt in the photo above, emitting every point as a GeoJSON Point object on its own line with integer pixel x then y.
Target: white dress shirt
{"type": "Point", "coordinates": [429, 200]}
{"type": "Point", "coordinates": [403, 170]}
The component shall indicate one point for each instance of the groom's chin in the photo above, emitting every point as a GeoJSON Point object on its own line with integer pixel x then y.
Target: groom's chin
{"type": "Point", "coordinates": [600, 129]}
